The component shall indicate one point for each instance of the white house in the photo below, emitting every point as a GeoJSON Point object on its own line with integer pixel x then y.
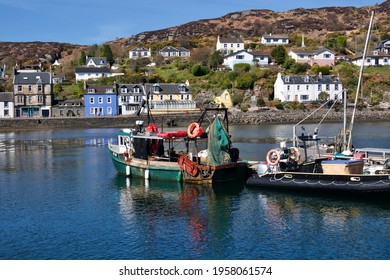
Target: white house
{"type": "Point", "coordinates": [373, 58]}
{"type": "Point", "coordinates": [275, 39]}
{"type": "Point", "coordinates": [85, 73]}
{"type": "Point", "coordinates": [229, 45]}
{"type": "Point", "coordinates": [306, 88]}
{"type": "Point", "coordinates": [130, 97]}
{"type": "Point", "coordinates": [6, 105]}
{"type": "Point", "coordinates": [243, 56]}
{"type": "Point", "coordinates": [140, 52]}
{"type": "Point", "coordinates": [322, 57]}
{"type": "Point", "coordinates": [384, 46]}
{"type": "Point", "coordinates": [96, 61]}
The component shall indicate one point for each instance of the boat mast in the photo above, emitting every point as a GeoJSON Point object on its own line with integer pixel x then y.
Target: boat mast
{"type": "Point", "coordinates": [349, 146]}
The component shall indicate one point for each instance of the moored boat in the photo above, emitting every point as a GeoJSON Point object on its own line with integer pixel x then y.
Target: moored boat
{"type": "Point", "coordinates": [190, 156]}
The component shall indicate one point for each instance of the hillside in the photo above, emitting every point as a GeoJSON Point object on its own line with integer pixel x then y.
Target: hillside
{"type": "Point", "coordinates": [250, 25]}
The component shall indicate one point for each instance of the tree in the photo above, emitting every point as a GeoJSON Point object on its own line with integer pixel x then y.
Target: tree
{"type": "Point", "coordinates": [279, 54]}
{"type": "Point", "coordinates": [107, 52]}
{"type": "Point", "coordinates": [215, 60]}
{"type": "Point", "coordinates": [82, 59]}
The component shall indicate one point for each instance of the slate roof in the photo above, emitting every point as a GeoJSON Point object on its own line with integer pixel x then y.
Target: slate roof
{"type": "Point", "coordinates": [30, 78]}
{"type": "Point", "coordinates": [97, 60]}
{"type": "Point", "coordinates": [309, 79]}
{"type": "Point", "coordinates": [100, 89]}
{"type": "Point", "coordinates": [272, 36]}
{"type": "Point", "coordinates": [230, 40]}
{"type": "Point", "coordinates": [167, 88]}
{"type": "Point", "coordinates": [172, 49]}
{"type": "Point", "coordinates": [130, 89]}
{"type": "Point", "coordinates": [252, 53]}
{"type": "Point", "coordinates": [6, 97]}
{"type": "Point", "coordinates": [81, 70]}
{"type": "Point", "coordinates": [311, 52]}
{"type": "Point", "coordinates": [139, 49]}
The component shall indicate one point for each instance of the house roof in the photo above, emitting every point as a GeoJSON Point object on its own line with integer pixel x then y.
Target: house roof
{"type": "Point", "coordinates": [168, 88]}
{"type": "Point", "coordinates": [139, 49]}
{"type": "Point", "coordinates": [311, 52]}
{"type": "Point", "coordinates": [6, 97]}
{"type": "Point", "coordinates": [30, 78]}
{"type": "Point", "coordinates": [80, 70]}
{"type": "Point", "coordinates": [97, 60]}
{"type": "Point", "coordinates": [382, 43]}
{"type": "Point", "coordinates": [230, 40]}
{"type": "Point", "coordinates": [371, 54]}
{"type": "Point", "coordinates": [173, 49]}
{"type": "Point", "coordinates": [130, 89]}
{"type": "Point", "coordinates": [310, 79]}
{"type": "Point", "coordinates": [249, 52]}
{"type": "Point", "coordinates": [100, 89]}
{"type": "Point", "coordinates": [272, 36]}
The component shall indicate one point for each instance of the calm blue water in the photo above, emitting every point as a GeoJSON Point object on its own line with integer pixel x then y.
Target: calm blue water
{"type": "Point", "coordinates": [61, 198]}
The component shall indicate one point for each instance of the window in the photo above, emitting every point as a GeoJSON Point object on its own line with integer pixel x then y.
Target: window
{"type": "Point", "coordinates": [301, 56]}
{"type": "Point", "coordinates": [109, 90]}
{"type": "Point", "coordinates": [327, 55]}
{"type": "Point", "coordinates": [30, 99]}
{"type": "Point", "coordinates": [161, 97]}
{"type": "Point", "coordinates": [91, 100]}
{"type": "Point", "coordinates": [108, 99]}
{"type": "Point", "coordinates": [298, 87]}
{"type": "Point", "coordinates": [284, 40]}
{"type": "Point", "coordinates": [238, 45]}
{"type": "Point", "coordinates": [6, 113]}
{"type": "Point", "coordinates": [231, 45]}
{"type": "Point", "coordinates": [225, 45]}
{"type": "Point", "coordinates": [134, 53]}
{"type": "Point", "coordinates": [151, 97]}
{"type": "Point", "coordinates": [123, 98]}
{"type": "Point", "coordinates": [40, 98]}
{"type": "Point", "coordinates": [368, 60]}
{"type": "Point", "coordinates": [30, 88]}
{"type": "Point", "coordinates": [91, 90]}
{"type": "Point", "coordinates": [307, 87]}
{"type": "Point", "coordinates": [20, 99]}
{"type": "Point", "coordinates": [288, 87]}
{"type": "Point", "coordinates": [170, 97]}
{"type": "Point", "coordinates": [239, 57]}
{"type": "Point", "coordinates": [124, 90]}
{"type": "Point", "coordinates": [304, 97]}
{"type": "Point", "coordinates": [156, 89]}
{"type": "Point", "coordinates": [182, 97]}
{"type": "Point", "coordinates": [20, 88]}
{"type": "Point", "coordinates": [100, 100]}
{"type": "Point", "coordinates": [136, 89]}
{"type": "Point", "coordinates": [385, 60]}
{"type": "Point", "coordinates": [336, 87]}
{"type": "Point", "coordinates": [5, 104]}
{"type": "Point", "coordinates": [39, 88]}
{"type": "Point", "coordinates": [319, 87]}
{"type": "Point", "coordinates": [109, 110]}
{"type": "Point", "coordinates": [91, 110]}
{"type": "Point", "coordinates": [182, 89]}
{"type": "Point", "coordinates": [327, 87]}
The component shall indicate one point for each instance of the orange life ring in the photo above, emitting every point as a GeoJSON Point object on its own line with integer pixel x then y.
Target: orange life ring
{"type": "Point", "coordinates": [193, 130]}
{"type": "Point", "coordinates": [273, 157]}
{"type": "Point", "coordinates": [293, 154]}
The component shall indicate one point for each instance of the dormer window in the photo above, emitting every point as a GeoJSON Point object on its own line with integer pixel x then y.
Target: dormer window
{"type": "Point", "coordinates": [156, 89]}
{"type": "Point", "coordinates": [124, 90]}
{"type": "Point", "coordinates": [375, 52]}
{"type": "Point", "coordinates": [136, 89]}
{"type": "Point", "coordinates": [91, 90]}
{"type": "Point", "coordinates": [182, 89]}
{"type": "Point", "coordinates": [287, 78]}
{"type": "Point", "coordinates": [109, 90]}
{"type": "Point", "coordinates": [307, 78]}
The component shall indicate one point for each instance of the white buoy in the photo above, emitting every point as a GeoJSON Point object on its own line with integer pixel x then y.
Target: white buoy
{"type": "Point", "coordinates": [128, 172]}
{"type": "Point", "coordinates": [147, 174]}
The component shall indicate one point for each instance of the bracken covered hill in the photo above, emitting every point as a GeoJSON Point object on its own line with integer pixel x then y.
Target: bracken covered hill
{"type": "Point", "coordinates": [250, 25]}
{"type": "Point", "coordinates": [314, 23]}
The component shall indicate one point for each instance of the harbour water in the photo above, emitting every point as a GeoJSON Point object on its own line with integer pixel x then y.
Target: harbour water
{"type": "Point", "coordinates": [61, 198]}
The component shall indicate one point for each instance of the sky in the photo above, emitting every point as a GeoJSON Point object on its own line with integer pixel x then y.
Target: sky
{"type": "Point", "coordinates": [89, 22]}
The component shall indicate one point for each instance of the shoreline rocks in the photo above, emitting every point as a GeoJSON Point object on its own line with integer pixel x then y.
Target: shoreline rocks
{"type": "Point", "coordinates": [182, 120]}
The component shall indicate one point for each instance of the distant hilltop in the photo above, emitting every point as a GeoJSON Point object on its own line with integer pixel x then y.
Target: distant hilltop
{"type": "Point", "coordinates": [249, 25]}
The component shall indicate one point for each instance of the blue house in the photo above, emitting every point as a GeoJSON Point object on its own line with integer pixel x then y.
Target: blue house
{"type": "Point", "coordinates": [100, 100]}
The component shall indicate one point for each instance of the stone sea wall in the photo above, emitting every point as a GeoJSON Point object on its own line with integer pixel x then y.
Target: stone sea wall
{"type": "Point", "coordinates": [184, 120]}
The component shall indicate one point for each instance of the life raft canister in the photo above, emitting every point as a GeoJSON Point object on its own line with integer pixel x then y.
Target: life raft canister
{"type": "Point", "coordinates": [194, 130]}
{"type": "Point", "coordinates": [273, 157]}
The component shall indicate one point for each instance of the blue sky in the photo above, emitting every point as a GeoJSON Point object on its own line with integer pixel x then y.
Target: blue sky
{"type": "Point", "coordinates": [95, 22]}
